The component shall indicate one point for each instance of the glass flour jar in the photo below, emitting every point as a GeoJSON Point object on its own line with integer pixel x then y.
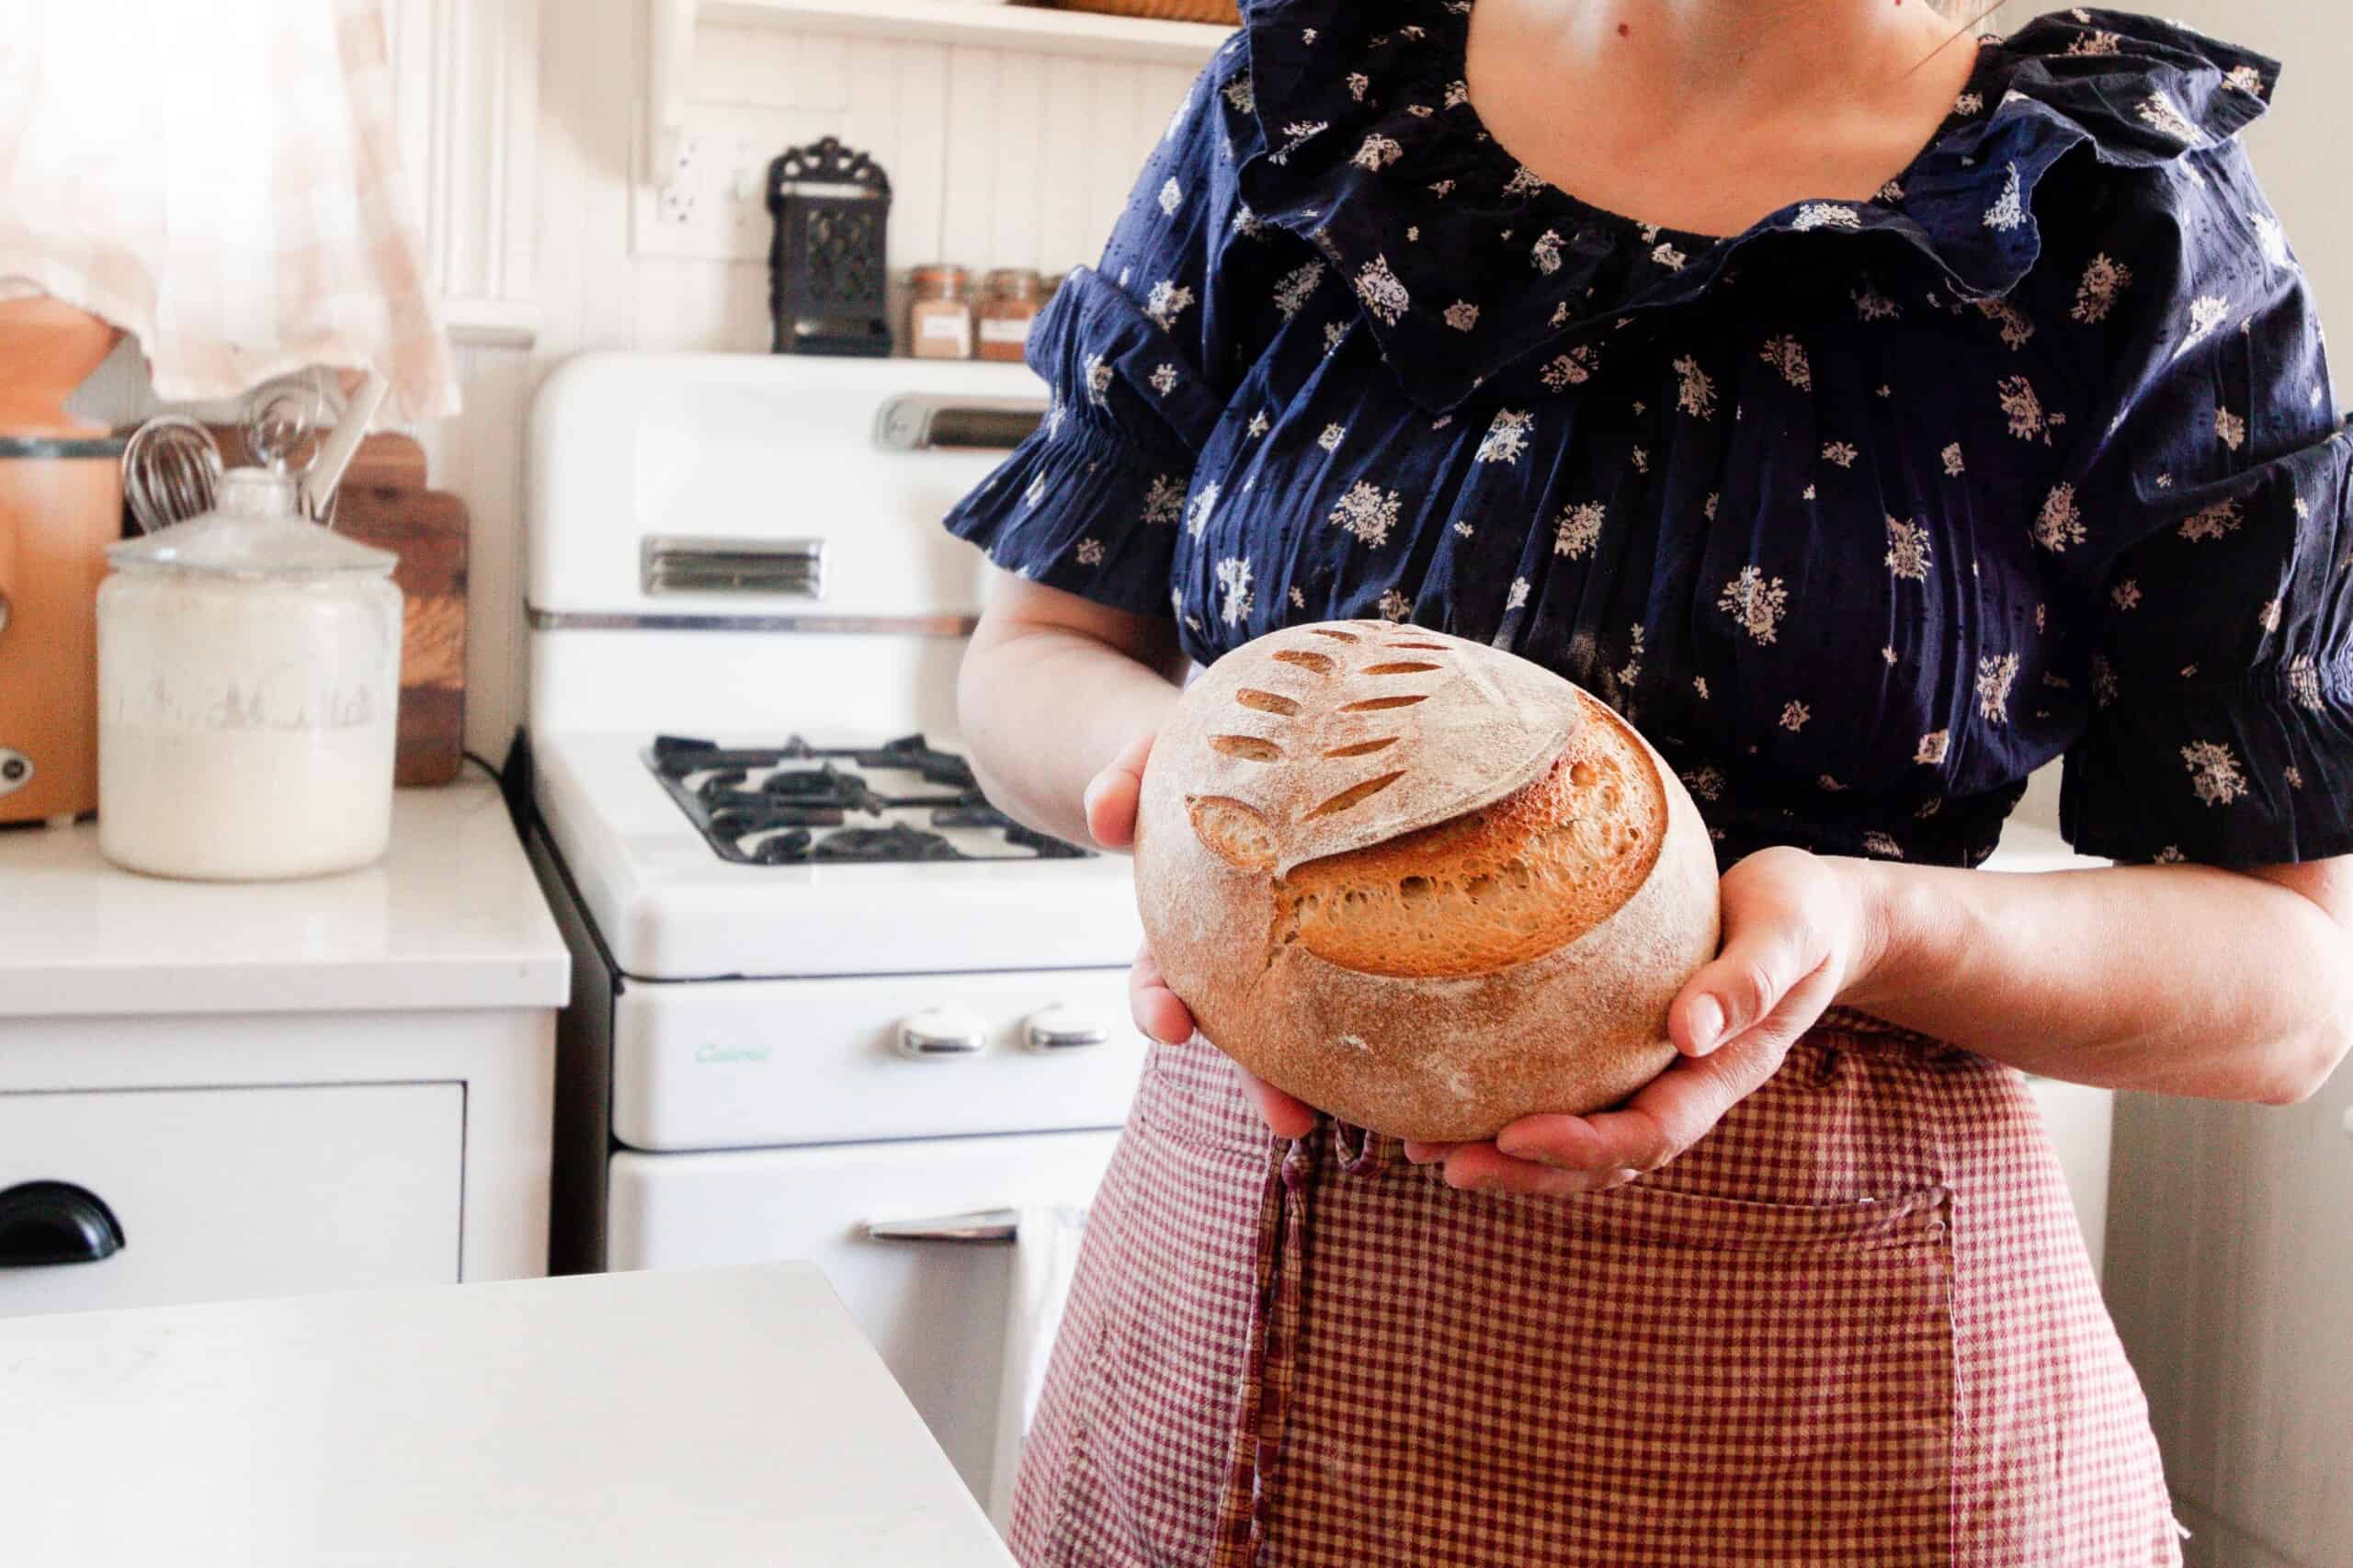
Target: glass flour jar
{"type": "Point", "coordinates": [248, 693]}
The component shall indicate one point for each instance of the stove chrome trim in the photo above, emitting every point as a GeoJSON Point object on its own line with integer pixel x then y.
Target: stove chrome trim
{"type": "Point", "coordinates": [925, 422]}
{"type": "Point", "coordinates": [939, 1034]}
{"type": "Point", "coordinates": [1060, 1028]}
{"type": "Point", "coordinates": [701, 564]}
{"type": "Point", "coordinates": [858, 625]}
{"type": "Point", "coordinates": [990, 1227]}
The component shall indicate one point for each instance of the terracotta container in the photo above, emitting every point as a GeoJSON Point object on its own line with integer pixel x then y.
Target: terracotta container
{"type": "Point", "coordinates": [61, 506]}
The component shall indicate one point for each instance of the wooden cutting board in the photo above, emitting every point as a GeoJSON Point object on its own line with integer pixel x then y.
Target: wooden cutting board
{"type": "Point", "coordinates": [384, 503]}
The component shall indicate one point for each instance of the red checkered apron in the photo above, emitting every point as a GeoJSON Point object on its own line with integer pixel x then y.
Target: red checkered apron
{"type": "Point", "coordinates": [1856, 1325]}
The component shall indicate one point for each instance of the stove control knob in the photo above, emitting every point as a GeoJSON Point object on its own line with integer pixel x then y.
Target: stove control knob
{"type": "Point", "coordinates": [942, 1031]}
{"type": "Point", "coordinates": [1063, 1029]}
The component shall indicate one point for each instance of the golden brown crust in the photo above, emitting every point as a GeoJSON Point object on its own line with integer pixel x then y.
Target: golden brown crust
{"type": "Point", "coordinates": [1498, 886]}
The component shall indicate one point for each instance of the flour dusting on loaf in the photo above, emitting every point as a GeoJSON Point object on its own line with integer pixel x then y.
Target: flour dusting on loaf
{"type": "Point", "coordinates": [1421, 883]}
{"type": "Point", "coordinates": [1341, 736]}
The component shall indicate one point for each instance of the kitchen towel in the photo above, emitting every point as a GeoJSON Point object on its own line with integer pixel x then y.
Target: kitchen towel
{"type": "Point", "coordinates": [222, 182]}
{"type": "Point", "coordinates": [1045, 1257]}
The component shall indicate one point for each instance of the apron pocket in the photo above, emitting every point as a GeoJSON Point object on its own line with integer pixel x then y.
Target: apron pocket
{"type": "Point", "coordinates": [1639, 1377]}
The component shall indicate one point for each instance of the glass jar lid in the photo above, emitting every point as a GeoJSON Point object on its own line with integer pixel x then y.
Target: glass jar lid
{"type": "Point", "coordinates": [1020, 284]}
{"type": "Point", "coordinates": [254, 531]}
{"type": "Point", "coordinates": [939, 281]}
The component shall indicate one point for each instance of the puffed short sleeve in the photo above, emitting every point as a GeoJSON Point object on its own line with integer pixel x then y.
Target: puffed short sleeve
{"type": "Point", "coordinates": [1140, 354]}
{"type": "Point", "coordinates": [2210, 519]}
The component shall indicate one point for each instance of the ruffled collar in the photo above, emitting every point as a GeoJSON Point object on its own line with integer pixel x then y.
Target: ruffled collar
{"type": "Point", "coordinates": [1373, 152]}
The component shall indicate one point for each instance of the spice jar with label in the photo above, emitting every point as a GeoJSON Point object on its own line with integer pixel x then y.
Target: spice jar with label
{"type": "Point", "coordinates": [940, 321]}
{"type": "Point", "coordinates": [1005, 315]}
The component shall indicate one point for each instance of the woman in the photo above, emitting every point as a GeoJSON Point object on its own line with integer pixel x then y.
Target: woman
{"type": "Point", "coordinates": [1935, 411]}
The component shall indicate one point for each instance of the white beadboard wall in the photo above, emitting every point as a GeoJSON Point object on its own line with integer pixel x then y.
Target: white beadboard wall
{"type": "Point", "coordinates": [465, 82]}
{"type": "Point", "coordinates": [996, 158]}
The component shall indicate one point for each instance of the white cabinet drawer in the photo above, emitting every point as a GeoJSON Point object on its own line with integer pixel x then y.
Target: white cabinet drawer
{"type": "Point", "coordinates": [752, 1064]}
{"type": "Point", "coordinates": [240, 1192]}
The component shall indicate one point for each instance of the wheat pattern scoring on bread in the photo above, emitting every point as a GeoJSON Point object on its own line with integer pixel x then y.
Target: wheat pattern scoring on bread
{"type": "Point", "coordinates": [1297, 719]}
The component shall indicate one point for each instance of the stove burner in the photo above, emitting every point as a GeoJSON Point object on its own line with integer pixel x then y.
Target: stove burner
{"type": "Point", "coordinates": [802, 783]}
{"type": "Point", "coordinates": [797, 803]}
{"type": "Point", "coordinates": [741, 822]}
{"type": "Point", "coordinates": [937, 766]}
{"type": "Point", "coordinates": [784, 850]}
{"type": "Point", "coordinates": [897, 842]}
{"type": "Point", "coordinates": [720, 786]}
{"type": "Point", "coordinates": [1048, 846]}
{"type": "Point", "coordinates": [982, 815]}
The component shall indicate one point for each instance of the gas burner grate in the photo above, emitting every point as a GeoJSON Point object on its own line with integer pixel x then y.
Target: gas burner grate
{"type": "Point", "coordinates": [896, 842]}
{"type": "Point", "coordinates": [796, 804]}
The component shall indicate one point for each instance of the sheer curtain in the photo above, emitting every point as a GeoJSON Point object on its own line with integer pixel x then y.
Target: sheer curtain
{"type": "Point", "coordinates": [220, 179]}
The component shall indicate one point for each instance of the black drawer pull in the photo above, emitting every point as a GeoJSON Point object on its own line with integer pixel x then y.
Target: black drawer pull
{"type": "Point", "coordinates": [44, 1223]}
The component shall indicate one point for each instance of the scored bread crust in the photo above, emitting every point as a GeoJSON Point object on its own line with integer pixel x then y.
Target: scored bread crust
{"type": "Point", "coordinates": [1495, 928]}
{"type": "Point", "coordinates": [1302, 719]}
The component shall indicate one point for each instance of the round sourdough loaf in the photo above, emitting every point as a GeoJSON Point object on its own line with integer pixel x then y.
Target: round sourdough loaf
{"type": "Point", "coordinates": [1422, 884]}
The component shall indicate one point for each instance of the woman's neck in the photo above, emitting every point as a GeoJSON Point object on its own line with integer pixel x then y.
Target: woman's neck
{"type": "Point", "coordinates": [1703, 114]}
{"type": "Point", "coordinates": [1740, 59]}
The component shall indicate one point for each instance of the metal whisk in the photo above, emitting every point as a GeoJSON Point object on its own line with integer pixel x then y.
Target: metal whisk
{"type": "Point", "coordinates": [171, 466]}
{"type": "Point", "coordinates": [171, 471]}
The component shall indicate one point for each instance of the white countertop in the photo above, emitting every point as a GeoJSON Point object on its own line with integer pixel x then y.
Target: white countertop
{"type": "Point", "coordinates": [450, 917]}
{"type": "Point", "coordinates": [707, 1418]}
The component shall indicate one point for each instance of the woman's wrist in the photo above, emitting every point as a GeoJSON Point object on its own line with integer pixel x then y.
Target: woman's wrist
{"type": "Point", "coordinates": [1890, 912]}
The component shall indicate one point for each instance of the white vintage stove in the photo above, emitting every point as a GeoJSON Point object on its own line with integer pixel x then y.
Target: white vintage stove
{"type": "Point", "coordinates": [828, 1003]}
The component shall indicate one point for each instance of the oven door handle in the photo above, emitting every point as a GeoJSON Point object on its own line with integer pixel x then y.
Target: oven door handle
{"type": "Point", "coordinates": [988, 1227]}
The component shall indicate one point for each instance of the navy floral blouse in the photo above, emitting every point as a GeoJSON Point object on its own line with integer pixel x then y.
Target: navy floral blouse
{"type": "Point", "coordinates": [1861, 515]}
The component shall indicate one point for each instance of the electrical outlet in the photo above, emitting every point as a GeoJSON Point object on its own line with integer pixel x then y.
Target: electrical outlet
{"type": "Point", "coordinates": [673, 202]}
{"type": "Point", "coordinates": [714, 205]}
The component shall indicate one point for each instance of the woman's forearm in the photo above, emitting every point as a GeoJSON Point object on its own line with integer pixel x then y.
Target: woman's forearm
{"type": "Point", "coordinates": [1047, 701]}
{"type": "Point", "coordinates": [2176, 979]}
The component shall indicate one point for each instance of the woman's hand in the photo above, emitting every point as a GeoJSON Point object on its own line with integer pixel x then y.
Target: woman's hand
{"type": "Point", "coordinates": [1111, 796]}
{"type": "Point", "coordinates": [1110, 804]}
{"type": "Point", "coordinates": [1798, 931]}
